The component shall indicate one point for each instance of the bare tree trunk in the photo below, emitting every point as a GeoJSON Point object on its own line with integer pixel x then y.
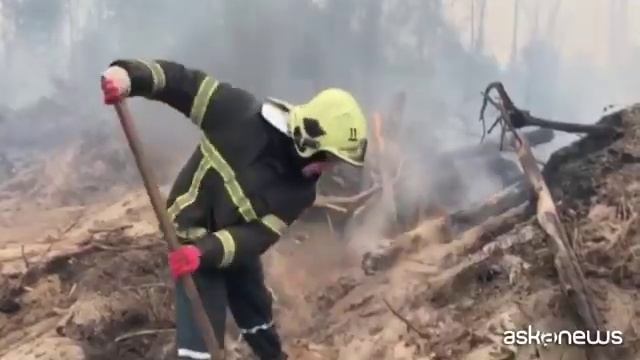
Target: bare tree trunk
{"type": "Point", "coordinates": [623, 27]}
{"type": "Point", "coordinates": [514, 34]}
{"type": "Point", "coordinates": [472, 40]}
{"type": "Point", "coordinates": [479, 46]}
{"type": "Point", "coordinates": [71, 38]}
{"type": "Point", "coordinates": [4, 36]}
{"type": "Point", "coordinates": [613, 42]}
{"type": "Point", "coordinates": [370, 45]}
{"type": "Point", "coordinates": [617, 30]}
{"type": "Point", "coordinates": [553, 18]}
{"type": "Point", "coordinates": [535, 31]}
{"type": "Point", "coordinates": [252, 30]}
{"type": "Point", "coordinates": [11, 31]}
{"type": "Point", "coordinates": [535, 36]}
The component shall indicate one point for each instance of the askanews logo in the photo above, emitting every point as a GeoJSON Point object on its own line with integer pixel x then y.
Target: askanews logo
{"type": "Point", "coordinates": [564, 337]}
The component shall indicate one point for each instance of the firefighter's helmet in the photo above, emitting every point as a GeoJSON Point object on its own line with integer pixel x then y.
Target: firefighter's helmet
{"type": "Point", "coordinates": [332, 121]}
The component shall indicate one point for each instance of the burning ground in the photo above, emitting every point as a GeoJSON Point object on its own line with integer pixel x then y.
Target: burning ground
{"type": "Point", "coordinates": [96, 285]}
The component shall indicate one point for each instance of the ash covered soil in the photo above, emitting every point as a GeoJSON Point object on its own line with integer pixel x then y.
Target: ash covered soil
{"type": "Point", "coordinates": [98, 288]}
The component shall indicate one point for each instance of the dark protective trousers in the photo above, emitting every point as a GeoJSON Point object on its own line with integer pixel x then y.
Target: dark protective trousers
{"type": "Point", "coordinates": [242, 288]}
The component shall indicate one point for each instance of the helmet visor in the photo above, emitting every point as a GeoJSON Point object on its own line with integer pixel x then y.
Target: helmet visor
{"type": "Point", "coordinates": [354, 155]}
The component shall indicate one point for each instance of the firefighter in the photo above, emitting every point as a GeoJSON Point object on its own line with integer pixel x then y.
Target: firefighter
{"type": "Point", "coordinates": [252, 174]}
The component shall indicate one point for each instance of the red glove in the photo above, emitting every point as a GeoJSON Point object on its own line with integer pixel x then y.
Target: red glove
{"type": "Point", "coordinates": [115, 84]}
{"type": "Point", "coordinates": [184, 261]}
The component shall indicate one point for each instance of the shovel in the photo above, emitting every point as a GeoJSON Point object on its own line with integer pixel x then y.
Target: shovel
{"type": "Point", "coordinates": [150, 183]}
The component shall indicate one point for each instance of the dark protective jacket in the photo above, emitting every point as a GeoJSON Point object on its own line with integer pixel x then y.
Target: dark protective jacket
{"type": "Point", "coordinates": [243, 185]}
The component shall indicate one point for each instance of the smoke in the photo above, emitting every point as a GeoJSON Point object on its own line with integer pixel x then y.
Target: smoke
{"type": "Point", "coordinates": [564, 60]}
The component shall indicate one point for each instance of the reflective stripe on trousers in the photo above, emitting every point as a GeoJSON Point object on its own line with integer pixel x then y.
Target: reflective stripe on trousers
{"type": "Point", "coordinates": [191, 354]}
{"type": "Point", "coordinates": [256, 328]}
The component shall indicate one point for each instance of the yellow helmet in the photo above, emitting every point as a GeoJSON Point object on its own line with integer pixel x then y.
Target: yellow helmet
{"type": "Point", "coordinates": [332, 121]}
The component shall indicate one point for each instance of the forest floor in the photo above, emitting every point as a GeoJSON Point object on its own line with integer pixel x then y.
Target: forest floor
{"type": "Point", "coordinates": [83, 269]}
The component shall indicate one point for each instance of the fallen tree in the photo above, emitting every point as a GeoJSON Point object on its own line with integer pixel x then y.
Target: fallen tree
{"type": "Point", "coordinates": [569, 270]}
{"type": "Point", "coordinates": [513, 196]}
